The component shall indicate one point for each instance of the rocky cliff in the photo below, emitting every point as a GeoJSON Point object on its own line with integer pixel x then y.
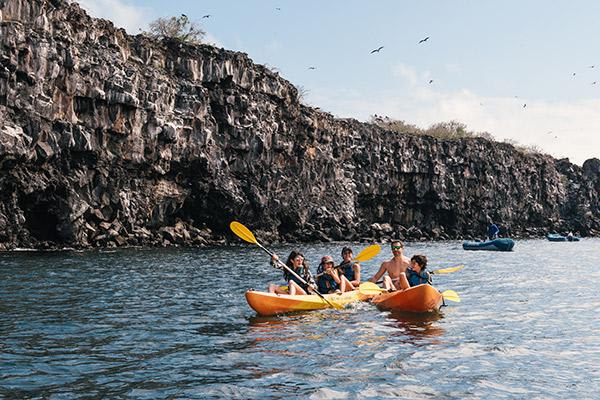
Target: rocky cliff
{"type": "Point", "coordinates": [110, 140]}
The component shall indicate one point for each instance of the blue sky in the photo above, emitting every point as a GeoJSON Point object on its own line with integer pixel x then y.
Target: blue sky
{"type": "Point", "coordinates": [487, 59]}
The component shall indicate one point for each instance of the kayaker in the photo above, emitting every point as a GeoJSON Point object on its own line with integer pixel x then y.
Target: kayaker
{"type": "Point", "coordinates": [395, 268]}
{"type": "Point", "coordinates": [416, 273]}
{"type": "Point", "coordinates": [328, 280]}
{"type": "Point", "coordinates": [493, 231]}
{"type": "Point", "coordinates": [297, 263]}
{"type": "Point", "coordinates": [348, 270]}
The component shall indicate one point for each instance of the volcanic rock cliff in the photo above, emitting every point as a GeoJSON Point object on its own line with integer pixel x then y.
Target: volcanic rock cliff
{"type": "Point", "coordinates": [110, 140]}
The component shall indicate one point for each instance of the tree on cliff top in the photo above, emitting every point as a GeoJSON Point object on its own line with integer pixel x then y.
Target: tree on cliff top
{"type": "Point", "coordinates": [177, 28]}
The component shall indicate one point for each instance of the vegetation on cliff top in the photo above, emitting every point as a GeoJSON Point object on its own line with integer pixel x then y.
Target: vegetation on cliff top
{"type": "Point", "coordinates": [180, 28]}
{"type": "Point", "coordinates": [449, 130]}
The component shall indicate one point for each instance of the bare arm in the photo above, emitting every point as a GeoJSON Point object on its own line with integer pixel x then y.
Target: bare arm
{"type": "Point", "coordinates": [356, 281]}
{"type": "Point", "coordinates": [379, 273]}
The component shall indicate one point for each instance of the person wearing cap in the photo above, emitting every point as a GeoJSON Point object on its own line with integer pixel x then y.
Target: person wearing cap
{"type": "Point", "coordinates": [395, 268]}
{"type": "Point", "coordinates": [327, 279]}
{"type": "Point", "coordinates": [349, 270]}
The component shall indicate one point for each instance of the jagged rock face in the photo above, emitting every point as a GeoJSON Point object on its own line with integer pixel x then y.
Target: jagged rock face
{"type": "Point", "coordinates": [110, 140]}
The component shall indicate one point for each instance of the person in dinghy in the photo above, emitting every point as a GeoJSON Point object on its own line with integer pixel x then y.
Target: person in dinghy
{"type": "Point", "coordinates": [298, 264]}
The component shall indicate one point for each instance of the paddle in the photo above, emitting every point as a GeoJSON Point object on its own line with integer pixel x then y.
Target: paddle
{"type": "Point", "coordinates": [245, 234]}
{"type": "Point", "coordinates": [442, 271]}
{"type": "Point", "coordinates": [365, 255]}
{"type": "Point", "coordinates": [369, 289]}
{"type": "Point", "coordinates": [447, 270]}
{"type": "Point", "coordinates": [451, 295]}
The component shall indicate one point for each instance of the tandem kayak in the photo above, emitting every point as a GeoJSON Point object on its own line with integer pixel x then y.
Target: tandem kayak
{"type": "Point", "coordinates": [420, 299]}
{"type": "Point", "coordinates": [501, 244]}
{"type": "Point", "coordinates": [555, 237]}
{"type": "Point", "coordinates": [266, 304]}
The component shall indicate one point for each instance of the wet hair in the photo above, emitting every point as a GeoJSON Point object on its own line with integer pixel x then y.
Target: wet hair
{"type": "Point", "coordinates": [345, 249]}
{"type": "Point", "coordinates": [421, 260]}
{"type": "Point", "coordinates": [396, 241]}
{"type": "Point", "coordinates": [294, 254]}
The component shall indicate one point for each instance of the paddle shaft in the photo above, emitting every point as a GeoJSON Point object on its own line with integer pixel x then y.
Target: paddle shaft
{"type": "Point", "coordinates": [288, 269]}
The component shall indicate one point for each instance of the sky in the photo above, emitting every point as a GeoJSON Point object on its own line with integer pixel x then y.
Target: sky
{"type": "Point", "coordinates": [520, 70]}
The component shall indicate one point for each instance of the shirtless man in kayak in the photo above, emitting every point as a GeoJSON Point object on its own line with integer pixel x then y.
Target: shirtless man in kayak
{"type": "Point", "coordinates": [395, 268]}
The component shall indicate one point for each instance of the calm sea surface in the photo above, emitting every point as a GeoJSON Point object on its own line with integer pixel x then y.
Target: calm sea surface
{"type": "Point", "coordinates": [174, 324]}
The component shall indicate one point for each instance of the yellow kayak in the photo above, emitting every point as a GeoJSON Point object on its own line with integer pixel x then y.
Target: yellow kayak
{"type": "Point", "coordinates": [266, 304]}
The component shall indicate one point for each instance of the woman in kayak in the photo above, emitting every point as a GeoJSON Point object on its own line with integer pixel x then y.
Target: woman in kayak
{"type": "Point", "coordinates": [296, 263]}
{"type": "Point", "coordinates": [348, 270]}
{"type": "Point", "coordinates": [416, 273]}
{"type": "Point", "coordinates": [328, 279]}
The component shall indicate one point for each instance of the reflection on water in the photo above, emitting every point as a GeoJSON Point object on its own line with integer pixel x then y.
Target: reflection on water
{"type": "Point", "coordinates": [147, 323]}
{"type": "Point", "coordinates": [418, 325]}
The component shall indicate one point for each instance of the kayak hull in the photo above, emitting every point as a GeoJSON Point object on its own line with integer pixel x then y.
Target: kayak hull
{"type": "Point", "coordinates": [501, 244]}
{"type": "Point", "coordinates": [266, 304]}
{"type": "Point", "coordinates": [419, 299]}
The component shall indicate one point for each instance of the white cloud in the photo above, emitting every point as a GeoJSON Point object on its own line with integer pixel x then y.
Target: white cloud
{"type": "Point", "coordinates": [562, 129]}
{"type": "Point", "coordinates": [123, 15]}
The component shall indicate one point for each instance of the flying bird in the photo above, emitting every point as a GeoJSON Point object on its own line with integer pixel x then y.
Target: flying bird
{"type": "Point", "coordinates": [278, 9]}
{"type": "Point", "coordinates": [311, 68]}
{"type": "Point", "coordinates": [424, 40]}
{"type": "Point", "coordinates": [206, 16]}
{"type": "Point", "coordinates": [377, 50]}
{"type": "Point", "coordinates": [431, 81]}
{"type": "Point", "coordinates": [593, 83]}
{"type": "Point", "coordinates": [573, 73]}
{"type": "Point", "coordinates": [592, 66]}
{"type": "Point", "coordinates": [524, 105]}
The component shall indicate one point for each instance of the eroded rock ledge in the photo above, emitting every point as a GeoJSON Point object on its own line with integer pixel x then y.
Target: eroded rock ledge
{"type": "Point", "coordinates": [112, 140]}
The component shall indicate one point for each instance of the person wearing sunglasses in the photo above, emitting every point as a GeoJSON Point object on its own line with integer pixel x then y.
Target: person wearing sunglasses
{"type": "Point", "coordinates": [395, 268]}
{"type": "Point", "coordinates": [298, 264]}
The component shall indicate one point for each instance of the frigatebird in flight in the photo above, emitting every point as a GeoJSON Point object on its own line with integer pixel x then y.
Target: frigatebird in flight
{"type": "Point", "coordinates": [377, 50]}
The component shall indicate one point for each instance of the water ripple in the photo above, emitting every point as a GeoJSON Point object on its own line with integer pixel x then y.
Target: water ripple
{"type": "Point", "coordinates": [148, 323]}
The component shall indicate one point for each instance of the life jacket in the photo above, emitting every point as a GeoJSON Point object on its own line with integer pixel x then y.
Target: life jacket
{"type": "Point", "coordinates": [347, 270]}
{"type": "Point", "coordinates": [306, 275]}
{"type": "Point", "coordinates": [415, 278]}
{"type": "Point", "coordinates": [326, 284]}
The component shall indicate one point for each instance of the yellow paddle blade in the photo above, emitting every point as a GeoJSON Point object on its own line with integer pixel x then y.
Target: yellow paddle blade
{"type": "Point", "coordinates": [369, 288]}
{"type": "Point", "coordinates": [335, 305]}
{"type": "Point", "coordinates": [242, 232]}
{"type": "Point", "coordinates": [451, 295]}
{"type": "Point", "coordinates": [448, 270]}
{"type": "Point", "coordinates": [368, 253]}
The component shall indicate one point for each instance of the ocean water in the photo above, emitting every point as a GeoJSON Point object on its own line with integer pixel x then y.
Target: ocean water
{"type": "Point", "coordinates": [152, 323]}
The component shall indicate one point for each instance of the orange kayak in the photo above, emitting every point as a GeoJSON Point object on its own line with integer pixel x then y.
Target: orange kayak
{"type": "Point", "coordinates": [421, 298]}
{"type": "Point", "coordinates": [266, 304]}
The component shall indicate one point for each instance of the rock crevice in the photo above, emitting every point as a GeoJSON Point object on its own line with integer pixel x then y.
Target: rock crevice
{"type": "Point", "coordinates": [108, 139]}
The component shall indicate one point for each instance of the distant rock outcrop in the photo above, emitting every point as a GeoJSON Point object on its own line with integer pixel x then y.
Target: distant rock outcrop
{"type": "Point", "coordinates": [110, 140]}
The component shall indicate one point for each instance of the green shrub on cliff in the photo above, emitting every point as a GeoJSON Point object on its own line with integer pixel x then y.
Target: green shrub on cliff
{"type": "Point", "coordinates": [180, 28]}
{"type": "Point", "coordinates": [449, 130]}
